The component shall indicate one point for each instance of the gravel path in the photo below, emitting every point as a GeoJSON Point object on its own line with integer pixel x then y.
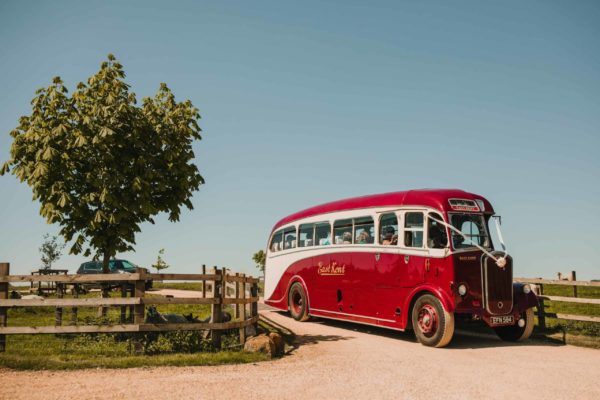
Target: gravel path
{"type": "Point", "coordinates": [343, 361]}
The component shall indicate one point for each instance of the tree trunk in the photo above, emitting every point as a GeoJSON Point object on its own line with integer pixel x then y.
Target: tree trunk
{"type": "Point", "coordinates": [105, 261]}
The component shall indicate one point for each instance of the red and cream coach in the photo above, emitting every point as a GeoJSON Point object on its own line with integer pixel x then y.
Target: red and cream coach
{"type": "Point", "coordinates": [404, 260]}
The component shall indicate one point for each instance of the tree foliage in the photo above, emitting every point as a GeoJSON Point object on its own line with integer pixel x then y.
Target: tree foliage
{"type": "Point", "coordinates": [160, 263]}
{"type": "Point", "coordinates": [51, 250]}
{"type": "Point", "coordinates": [100, 165]}
{"type": "Point", "coordinates": [260, 259]}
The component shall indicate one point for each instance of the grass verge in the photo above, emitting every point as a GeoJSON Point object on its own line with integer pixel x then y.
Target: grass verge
{"type": "Point", "coordinates": [68, 352]}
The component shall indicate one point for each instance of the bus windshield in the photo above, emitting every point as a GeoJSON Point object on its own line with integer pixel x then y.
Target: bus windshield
{"type": "Point", "coordinates": [472, 227]}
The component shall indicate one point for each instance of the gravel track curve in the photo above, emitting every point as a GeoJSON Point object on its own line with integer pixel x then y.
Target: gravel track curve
{"type": "Point", "coordinates": [335, 360]}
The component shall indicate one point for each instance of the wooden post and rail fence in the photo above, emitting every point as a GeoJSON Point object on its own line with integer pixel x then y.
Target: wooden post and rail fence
{"type": "Point", "coordinates": [133, 299]}
{"type": "Point", "coordinates": [214, 291]}
{"type": "Point", "coordinates": [571, 281]}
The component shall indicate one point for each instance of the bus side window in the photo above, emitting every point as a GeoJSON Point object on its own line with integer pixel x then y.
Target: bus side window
{"type": "Point", "coordinates": [413, 229]}
{"type": "Point", "coordinates": [306, 235]}
{"type": "Point", "coordinates": [363, 230]}
{"type": "Point", "coordinates": [289, 237]}
{"type": "Point", "coordinates": [322, 234]}
{"type": "Point", "coordinates": [276, 241]}
{"type": "Point", "coordinates": [437, 238]}
{"type": "Point", "coordinates": [342, 231]}
{"type": "Point", "coordinates": [388, 229]}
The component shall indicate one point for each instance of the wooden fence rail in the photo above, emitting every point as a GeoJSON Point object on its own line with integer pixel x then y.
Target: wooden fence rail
{"type": "Point", "coordinates": [541, 312]}
{"type": "Point", "coordinates": [133, 298]}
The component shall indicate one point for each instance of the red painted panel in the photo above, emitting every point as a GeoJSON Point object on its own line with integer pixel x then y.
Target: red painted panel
{"type": "Point", "coordinates": [372, 290]}
{"type": "Point", "coordinates": [468, 271]}
{"type": "Point", "coordinates": [392, 275]}
{"type": "Point", "coordinates": [363, 282]}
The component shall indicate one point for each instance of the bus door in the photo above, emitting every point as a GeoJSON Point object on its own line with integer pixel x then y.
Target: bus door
{"type": "Point", "coordinates": [414, 251]}
{"type": "Point", "coordinates": [363, 280]}
{"type": "Point", "coordinates": [388, 280]}
{"type": "Point", "coordinates": [437, 249]}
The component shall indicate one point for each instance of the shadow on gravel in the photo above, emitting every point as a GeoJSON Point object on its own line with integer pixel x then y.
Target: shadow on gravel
{"type": "Point", "coordinates": [466, 336]}
{"type": "Point", "coordinates": [314, 339]}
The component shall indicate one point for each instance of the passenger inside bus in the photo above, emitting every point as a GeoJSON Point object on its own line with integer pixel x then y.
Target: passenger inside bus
{"type": "Point", "coordinates": [436, 236]}
{"type": "Point", "coordinates": [325, 241]}
{"type": "Point", "coordinates": [390, 237]}
{"type": "Point", "coordinates": [290, 241]}
{"type": "Point", "coordinates": [364, 237]}
{"type": "Point", "coordinates": [347, 238]}
{"type": "Point", "coordinates": [323, 234]}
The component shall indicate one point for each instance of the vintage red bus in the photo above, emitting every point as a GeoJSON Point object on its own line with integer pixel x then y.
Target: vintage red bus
{"type": "Point", "coordinates": [405, 260]}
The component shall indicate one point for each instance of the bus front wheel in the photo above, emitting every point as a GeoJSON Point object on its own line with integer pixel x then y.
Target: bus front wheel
{"type": "Point", "coordinates": [517, 333]}
{"type": "Point", "coordinates": [297, 303]}
{"type": "Point", "coordinates": [433, 325]}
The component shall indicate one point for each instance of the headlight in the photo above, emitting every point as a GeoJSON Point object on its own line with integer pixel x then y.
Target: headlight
{"type": "Point", "coordinates": [462, 289]}
{"type": "Point", "coordinates": [526, 289]}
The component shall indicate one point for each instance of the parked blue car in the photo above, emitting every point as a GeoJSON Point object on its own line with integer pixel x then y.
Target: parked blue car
{"type": "Point", "coordinates": [114, 266]}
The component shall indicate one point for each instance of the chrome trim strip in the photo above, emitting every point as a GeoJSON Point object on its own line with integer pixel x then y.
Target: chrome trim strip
{"type": "Point", "coordinates": [359, 322]}
{"type": "Point", "coordinates": [353, 315]}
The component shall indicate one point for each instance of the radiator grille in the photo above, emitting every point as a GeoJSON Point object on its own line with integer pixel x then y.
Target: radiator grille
{"type": "Point", "coordinates": [497, 284]}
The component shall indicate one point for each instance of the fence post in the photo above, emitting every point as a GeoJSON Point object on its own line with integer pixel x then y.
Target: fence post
{"type": "Point", "coordinates": [254, 293]}
{"type": "Point", "coordinates": [541, 311]}
{"type": "Point", "coordinates": [74, 309]}
{"type": "Point", "coordinates": [131, 290]}
{"type": "Point", "coordinates": [123, 317]}
{"type": "Point", "coordinates": [58, 312]}
{"type": "Point", "coordinates": [236, 306]}
{"type": "Point", "coordinates": [139, 309]}
{"type": "Point", "coordinates": [4, 271]}
{"type": "Point", "coordinates": [216, 311]}
{"type": "Point", "coordinates": [103, 310]}
{"type": "Point", "coordinates": [574, 277]}
{"type": "Point", "coordinates": [242, 308]}
{"type": "Point", "coordinates": [203, 281]}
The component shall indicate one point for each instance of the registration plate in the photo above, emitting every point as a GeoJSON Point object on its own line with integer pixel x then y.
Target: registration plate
{"type": "Point", "coordinates": [503, 320]}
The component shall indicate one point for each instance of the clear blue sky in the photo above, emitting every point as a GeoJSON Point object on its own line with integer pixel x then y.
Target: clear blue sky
{"type": "Point", "coordinates": [306, 102]}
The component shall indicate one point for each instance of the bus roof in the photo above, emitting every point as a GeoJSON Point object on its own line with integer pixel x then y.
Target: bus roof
{"type": "Point", "coordinates": [435, 198]}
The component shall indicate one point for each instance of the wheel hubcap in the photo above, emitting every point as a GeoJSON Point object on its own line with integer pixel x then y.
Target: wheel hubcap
{"type": "Point", "coordinates": [428, 320]}
{"type": "Point", "coordinates": [297, 302]}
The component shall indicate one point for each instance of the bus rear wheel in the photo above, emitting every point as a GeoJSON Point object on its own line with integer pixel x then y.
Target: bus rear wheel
{"type": "Point", "coordinates": [433, 325]}
{"type": "Point", "coordinates": [517, 333]}
{"type": "Point", "coordinates": [297, 303]}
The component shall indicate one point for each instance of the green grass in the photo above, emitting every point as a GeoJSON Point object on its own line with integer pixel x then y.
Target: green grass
{"type": "Point", "coordinates": [57, 352]}
{"type": "Point", "coordinates": [178, 285]}
{"type": "Point", "coordinates": [192, 286]}
{"type": "Point", "coordinates": [54, 353]}
{"type": "Point", "coordinates": [589, 292]}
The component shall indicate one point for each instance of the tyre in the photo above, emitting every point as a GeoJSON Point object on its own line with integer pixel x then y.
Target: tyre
{"type": "Point", "coordinates": [433, 325]}
{"type": "Point", "coordinates": [297, 303]}
{"type": "Point", "coordinates": [516, 333]}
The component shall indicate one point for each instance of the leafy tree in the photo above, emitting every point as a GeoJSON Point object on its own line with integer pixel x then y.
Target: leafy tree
{"type": "Point", "coordinates": [100, 165]}
{"type": "Point", "coordinates": [51, 250]}
{"type": "Point", "coordinates": [260, 258]}
{"type": "Point", "coordinates": [160, 263]}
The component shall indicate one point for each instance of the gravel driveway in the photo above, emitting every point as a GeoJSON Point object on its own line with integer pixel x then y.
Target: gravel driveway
{"type": "Point", "coordinates": [343, 361]}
